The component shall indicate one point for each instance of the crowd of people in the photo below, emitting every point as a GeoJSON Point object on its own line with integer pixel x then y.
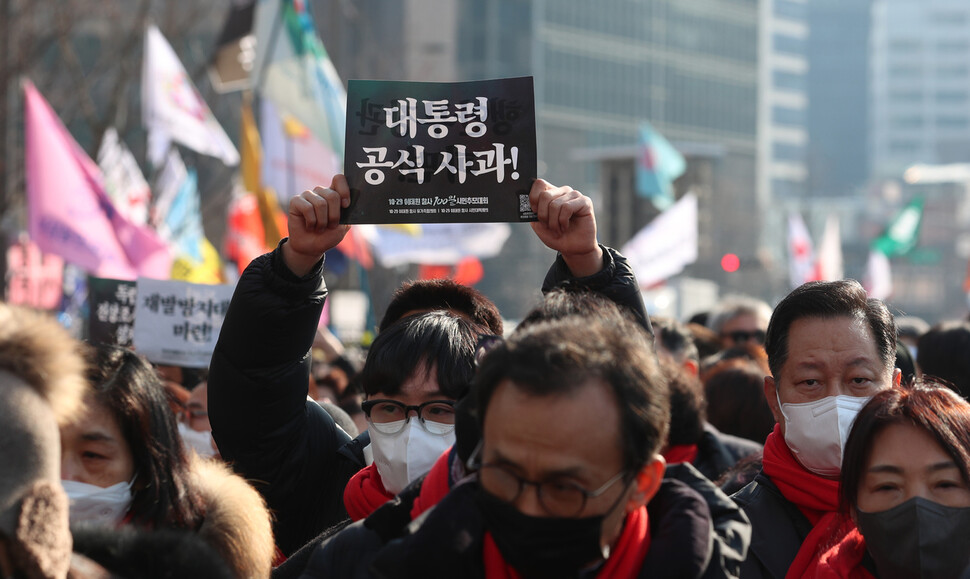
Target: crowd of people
{"type": "Point", "coordinates": [817, 438]}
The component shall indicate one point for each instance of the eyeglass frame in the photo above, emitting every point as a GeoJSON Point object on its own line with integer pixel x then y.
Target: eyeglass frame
{"type": "Point", "coordinates": [474, 463]}
{"type": "Point", "coordinates": [367, 405]}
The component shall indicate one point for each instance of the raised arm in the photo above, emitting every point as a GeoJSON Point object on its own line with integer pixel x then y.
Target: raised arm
{"type": "Point", "coordinates": [567, 224]}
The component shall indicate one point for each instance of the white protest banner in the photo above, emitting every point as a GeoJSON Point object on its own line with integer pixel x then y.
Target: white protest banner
{"type": "Point", "coordinates": [172, 108]}
{"type": "Point", "coordinates": [123, 181]}
{"type": "Point", "coordinates": [438, 243]}
{"type": "Point", "coordinates": [666, 245]}
{"type": "Point", "coordinates": [178, 322]}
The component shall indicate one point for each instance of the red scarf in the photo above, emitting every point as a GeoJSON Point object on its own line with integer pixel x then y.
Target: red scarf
{"type": "Point", "coordinates": [436, 485]}
{"type": "Point", "coordinates": [364, 493]}
{"type": "Point", "coordinates": [842, 561]}
{"type": "Point", "coordinates": [625, 560]}
{"type": "Point", "coordinates": [681, 453]}
{"type": "Point", "coordinates": [816, 497]}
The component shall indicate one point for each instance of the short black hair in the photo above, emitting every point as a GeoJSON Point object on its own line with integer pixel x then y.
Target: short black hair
{"type": "Point", "coordinates": [829, 299]}
{"type": "Point", "coordinates": [438, 341]}
{"type": "Point", "coordinates": [557, 356]}
{"type": "Point", "coordinates": [445, 295]}
{"type": "Point", "coordinates": [574, 301]}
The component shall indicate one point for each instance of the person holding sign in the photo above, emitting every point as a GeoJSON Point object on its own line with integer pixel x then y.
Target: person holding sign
{"type": "Point", "coordinates": [261, 418]}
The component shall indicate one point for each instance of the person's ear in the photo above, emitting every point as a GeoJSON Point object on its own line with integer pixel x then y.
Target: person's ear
{"type": "Point", "coordinates": [897, 377]}
{"type": "Point", "coordinates": [647, 483]}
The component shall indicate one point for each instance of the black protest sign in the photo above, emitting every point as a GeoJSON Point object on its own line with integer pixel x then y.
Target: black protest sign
{"type": "Point", "coordinates": [425, 152]}
{"type": "Point", "coordinates": [112, 315]}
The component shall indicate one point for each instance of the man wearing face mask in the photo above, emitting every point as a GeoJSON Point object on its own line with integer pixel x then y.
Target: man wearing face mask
{"type": "Point", "coordinates": [260, 417]}
{"type": "Point", "coordinates": [569, 480]}
{"type": "Point", "coordinates": [830, 349]}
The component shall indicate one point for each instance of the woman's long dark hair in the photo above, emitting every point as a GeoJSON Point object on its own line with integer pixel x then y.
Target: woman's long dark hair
{"type": "Point", "coordinates": [126, 384]}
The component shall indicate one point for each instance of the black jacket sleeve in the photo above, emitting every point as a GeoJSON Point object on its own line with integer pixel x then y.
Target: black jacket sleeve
{"type": "Point", "coordinates": [261, 418]}
{"type": "Point", "coordinates": [615, 281]}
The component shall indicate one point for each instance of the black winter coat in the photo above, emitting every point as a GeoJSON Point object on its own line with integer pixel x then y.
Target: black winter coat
{"type": "Point", "coordinates": [778, 529]}
{"type": "Point", "coordinates": [695, 530]}
{"type": "Point", "coordinates": [262, 422]}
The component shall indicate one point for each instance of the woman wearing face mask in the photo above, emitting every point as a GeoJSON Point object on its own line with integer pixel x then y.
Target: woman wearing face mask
{"type": "Point", "coordinates": [124, 463]}
{"type": "Point", "coordinates": [415, 371]}
{"type": "Point", "coordinates": [906, 486]}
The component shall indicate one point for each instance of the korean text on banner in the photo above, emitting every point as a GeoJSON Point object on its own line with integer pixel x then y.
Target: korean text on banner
{"type": "Point", "coordinates": [178, 322]}
{"type": "Point", "coordinates": [421, 152]}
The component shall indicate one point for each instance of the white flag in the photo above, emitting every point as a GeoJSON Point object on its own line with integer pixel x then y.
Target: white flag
{"type": "Point", "coordinates": [172, 108]}
{"type": "Point", "coordinates": [830, 251]}
{"type": "Point", "coordinates": [123, 181]}
{"type": "Point", "coordinates": [438, 243]}
{"type": "Point", "coordinates": [879, 277]}
{"type": "Point", "coordinates": [293, 159]}
{"type": "Point", "coordinates": [801, 254]}
{"type": "Point", "coordinates": [666, 245]}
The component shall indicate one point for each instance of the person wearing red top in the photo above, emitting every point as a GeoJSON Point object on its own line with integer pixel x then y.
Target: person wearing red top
{"type": "Point", "coordinates": [830, 348]}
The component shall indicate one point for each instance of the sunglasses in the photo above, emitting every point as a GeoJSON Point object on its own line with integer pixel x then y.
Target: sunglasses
{"type": "Point", "coordinates": [741, 336]}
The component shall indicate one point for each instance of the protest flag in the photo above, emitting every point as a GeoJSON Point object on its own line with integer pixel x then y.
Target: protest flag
{"type": "Point", "coordinates": [467, 272]}
{"type": "Point", "coordinates": [274, 222]}
{"type": "Point", "coordinates": [293, 159]}
{"type": "Point", "coordinates": [878, 280]}
{"type": "Point", "coordinates": [658, 165]}
{"type": "Point", "coordinates": [245, 236]}
{"type": "Point", "coordinates": [292, 69]}
{"type": "Point", "coordinates": [172, 108]}
{"type": "Point", "coordinates": [801, 253]}
{"type": "Point", "coordinates": [666, 245]}
{"type": "Point", "coordinates": [829, 266]}
{"type": "Point", "coordinates": [903, 232]}
{"type": "Point", "coordinates": [123, 180]}
{"type": "Point", "coordinates": [70, 214]}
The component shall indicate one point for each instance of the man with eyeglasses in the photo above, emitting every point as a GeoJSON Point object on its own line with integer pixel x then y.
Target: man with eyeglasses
{"type": "Point", "coordinates": [310, 472]}
{"type": "Point", "coordinates": [568, 480]}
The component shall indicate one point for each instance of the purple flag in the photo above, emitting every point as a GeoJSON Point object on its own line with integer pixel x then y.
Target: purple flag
{"type": "Point", "coordinates": [70, 213]}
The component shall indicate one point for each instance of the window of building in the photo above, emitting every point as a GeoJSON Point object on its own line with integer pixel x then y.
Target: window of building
{"type": "Point", "coordinates": [789, 44]}
{"type": "Point", "coordinates": [953, 71]}
{"type": "Point", "coordinates": [789, 80]}
{"type": "Point", "coordinates": [952, 122]}
{"type": "Point", "coordinates": [905, 96]}
{"type": "Point", "coordinates": [905, 71]}
{"type": "Point", "coordinates": [952, 46]}
{"type": "Point", "coordinates": [788, 152]}
{"type": "Point", "coordinates": [952, 97]}
{"type": "Point", "coordinates": [788, 116]}
{"type": "Point", "coordinates": [903, 147]}
{"type": "Point", "coordinates": [906, 122]}
{"type": "Point", "coordinates": [792, 10]}
{"type": "Point", "coordinates": [905, 45]}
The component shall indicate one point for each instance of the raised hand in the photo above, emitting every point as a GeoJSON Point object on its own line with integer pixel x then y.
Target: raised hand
{"type": "Point", "coordinates": [314, 225]}
{"type": "Point", "coordinates": [566, 223]}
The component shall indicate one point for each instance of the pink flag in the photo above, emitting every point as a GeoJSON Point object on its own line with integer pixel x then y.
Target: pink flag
{"type": "Point", "coordinates": [70, 213]}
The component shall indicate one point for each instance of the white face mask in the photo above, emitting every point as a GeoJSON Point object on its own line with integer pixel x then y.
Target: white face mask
{"type": "Point", "coordinates": [402, 457]}
{"type": "Point", "coordinates": [816, 431]}
{"type": "Point", "coordinates": [93, 504]}
{"type": "Point", "coordinates": [200, 442]}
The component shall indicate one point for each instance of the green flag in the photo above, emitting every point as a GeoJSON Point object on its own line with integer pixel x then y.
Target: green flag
{"type": "Point", "coordinates": [903, 233]}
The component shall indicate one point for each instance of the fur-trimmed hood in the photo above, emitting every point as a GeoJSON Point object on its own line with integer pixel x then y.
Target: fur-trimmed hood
{"type": "Point", "coordinates": [237, 523]}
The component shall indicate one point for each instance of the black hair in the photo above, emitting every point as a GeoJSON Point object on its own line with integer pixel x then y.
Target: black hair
{"type": "Point", "coordinates": [438, 341]}
{"type": "Point", "coordinates": [944, 352]}
{"type": "Point", "coordinates": [829, 299]}
{"type": "Point", "coordinates": [127, 385]}
{"type": "Point", "coordinates": [442, 295]}
{"type": "Point", "coordinates": [554, 357]}
{"type": "Point", "coordinates": [687, 404]}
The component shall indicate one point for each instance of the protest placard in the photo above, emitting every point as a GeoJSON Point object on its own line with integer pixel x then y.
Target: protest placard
{"type": "Point", "coordinates": [425, 152]}
{"type": "Point", "coordinates": [112, 315]}
{"type": "Point", "coordinates": [178, 322]}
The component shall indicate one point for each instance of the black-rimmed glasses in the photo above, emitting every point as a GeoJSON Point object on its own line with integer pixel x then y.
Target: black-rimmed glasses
{"type": "Point", "coordinates": [390, 416]}
{"type": "Point", "coordinates": [558, 498]}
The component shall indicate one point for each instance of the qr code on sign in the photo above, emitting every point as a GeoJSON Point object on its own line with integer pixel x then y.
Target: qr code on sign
{"type": "Point", "coordinates": [524, 206]}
